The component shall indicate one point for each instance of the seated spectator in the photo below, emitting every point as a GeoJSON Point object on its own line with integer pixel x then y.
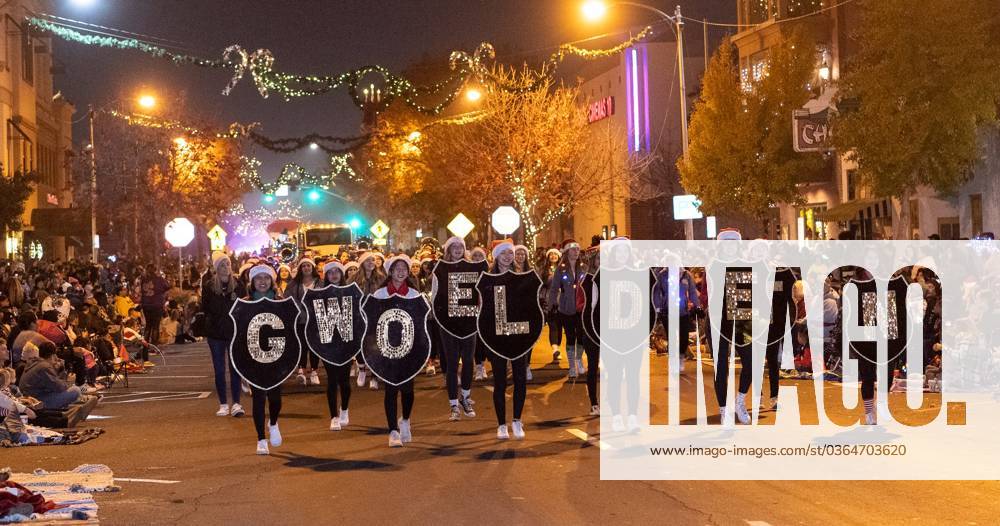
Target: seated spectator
{"type": "Point", "coordinates": [11, 410]}
{"type": "Point", "coordinates": [25, 332]}
{"type": "Point", "coordinates": [40, 380]}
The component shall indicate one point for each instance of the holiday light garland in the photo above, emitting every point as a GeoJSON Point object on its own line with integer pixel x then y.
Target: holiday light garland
{"type": "Point", "coordinates": [260, 65]}
{"type": "Point", "coordinates": [295, 176]}
{"type": "Point", "coordinates": [245, 222]}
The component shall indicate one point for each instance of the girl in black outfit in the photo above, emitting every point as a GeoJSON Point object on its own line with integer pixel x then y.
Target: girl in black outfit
{"type": "Point", "coordinates": [262, 279]}
{"type": "Point", "coordinates": [503, 261]}
{"type": "Point", "coordinates": [338, 377]}
{"type": "Point", "coordinates": [306, 277]}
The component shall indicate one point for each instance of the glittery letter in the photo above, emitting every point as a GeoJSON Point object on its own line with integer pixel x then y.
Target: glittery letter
{"type": "Point", "coordinates": [458, 292]}
{"type": "Point", "coordinates": [634, 300]}
{"type": "Point", "coordinates": [334, 316]}
{"type": "Point", "coordinates": [387, 349]}
{"type": "Point", "coordinates": [276, 344]}
{"type": "Point", "coordinates": [504, 327]}
{"type": "Point", "coordinates": [737, 293]}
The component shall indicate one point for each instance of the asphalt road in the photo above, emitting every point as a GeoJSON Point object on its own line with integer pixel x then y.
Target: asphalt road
{"type": "Point", "coordinates": [163, 429]}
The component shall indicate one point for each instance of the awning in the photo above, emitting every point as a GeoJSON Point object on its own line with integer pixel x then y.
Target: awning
{"type": "Point", "coordinates": [854, 210]}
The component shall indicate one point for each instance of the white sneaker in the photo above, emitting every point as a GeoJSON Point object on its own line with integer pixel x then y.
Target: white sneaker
{"type": "Point", "coordinates": [354, 369]}
{"type": "Point", "coordinates": [373, 384]}
{"type": "Point", "coordinates": [237, 410]}
{"type": "Point", "coordinates": [633, 423]}
{"type": "Point", "coordinates": [722, 418]}
{"type": "Point", "coordinates": [527, 374]}
{"type": "Point", "coordinates": [301, 378]}
{"type": "Point", "coordinates": [502, 433]}
{"type": "Point", "coordinates": [314, 378]}
{"type": "Point", "coordinates": [870, 419]}
{"type": "Point", "coordinates": [335, 424]}
{"type": "Point", "coordinates": [223, 410]}
{"type": "Point", "coordinates": [579, 367]}
{"type": "Point", "coordinates": [344, 418]}
{"type": "Point", "coordinates": [572, 369]}
{"type": "Point", "coordinates": [394, 439]}
{"type": "Point", "coordinates": [618, 424]}
{"type": "Point", "coordinates": [245, 386]}
{"type": "Point", "coordinates": [774, 403]}
{"type": "Point", "coordinates": [518, 429]}
{"type": "Point", "coordinates": [595, 410]}
{"type": "Point", "coordinates": [275, 435]}
{"type": "Point", "coordinates": [480, 372]}
{"type": "Point", "coordinates": [404, 431]}
{"type": "Point", "coordinates": [741, 409]}
{"type": "Point", "coordinates": [262, 447]}
{"type": "Point", "coordinates": [362, 375]}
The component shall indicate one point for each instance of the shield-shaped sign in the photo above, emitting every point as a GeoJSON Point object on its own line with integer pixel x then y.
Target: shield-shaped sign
{"type": "Point", "coordinates": [396, 343]}
{"type": "Point", "coordinates": [631, 292]}
{"type": "Point", "coordinates": [510, 320]}
{"type": "Point", "coordinates": [335, 325]}
{"type": "Point", "coordinates": [456, 300]}
{"type": "Point", "coordinates": [265, 349]}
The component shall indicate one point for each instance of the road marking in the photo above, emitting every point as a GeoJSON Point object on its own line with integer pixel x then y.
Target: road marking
{"type": "Point", "coordinates": [98, 417]}
{"type": "Point", "coordinates": [158, 395]}
{"type": "Point", "coordinates": [137, 377]}
{"type": "Point", "coordinates": [151, 481]}
{"type": "Point", "coordinates": [757, 523]}
{"type": "Point", "coordinates": [587, 438]}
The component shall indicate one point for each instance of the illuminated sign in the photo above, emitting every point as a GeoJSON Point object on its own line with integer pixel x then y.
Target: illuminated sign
{"type": "Point", "coordinates": [601, 109]}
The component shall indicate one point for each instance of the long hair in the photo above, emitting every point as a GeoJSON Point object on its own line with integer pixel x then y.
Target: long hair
{"type": "Point", "coordinates": [564, 263]}
{"type": "Point", "coordinates": [218, 287]}
{"type": "Point", "coordinates": [369, 284]}
{"type": "Point", "coordinates": [527, 261]}
{"type": "Point", "coordinates": [299, 275]}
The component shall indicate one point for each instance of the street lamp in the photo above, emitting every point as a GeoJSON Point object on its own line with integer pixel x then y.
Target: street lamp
{"type": "Point", "coordinates": [595, 9]}
{"type": "Point", "coordinates": [181, 142]}
{"type": "Point", "coordinates": [147, 102]}
{"type": "Point", "coordinates": [473, 95]}
{"type": "Point", "coordinates": [313, 146]}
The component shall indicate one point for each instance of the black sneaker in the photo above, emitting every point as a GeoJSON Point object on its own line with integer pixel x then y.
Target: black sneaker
{"type": "Point", "coordinates": [467, 408]}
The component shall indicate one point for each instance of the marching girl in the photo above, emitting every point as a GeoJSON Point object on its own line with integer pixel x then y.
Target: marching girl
{"type": "Point", "coordinates": [503, 261]}
{"type": "Point", "coordinates": [284, 276]}
{"type": "Point", "coordinates": [369, 277]}
{"type": "Point", "coordinates": [350, 270]}
{"type": "Point", "coordinates": [219, 290]}
{"type": "Point", "coordinates": [425, 284]}
{"type": "Point", "coordinates": [522, 263]}
{"type": "Point", "coordinates": [590, 347]}
{"type": "Point", "coordinates": [399, 282]}
{"type": "Point", "coordinates": [548, 267]}
{"type": "Point", "coordinates": [306, 277]}
{"type": "Point", "coordinates": [479, 254]}
{"type": "Point", "coordinates": [262, 280]}
{"type": "Point", "coordinates": [457, 349]}
{"type": "Point", "coordinates": [338, 377]}
{"type": "Point", "coordinates": [562, 299]}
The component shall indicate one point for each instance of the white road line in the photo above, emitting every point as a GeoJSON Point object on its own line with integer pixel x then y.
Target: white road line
{"type": "Point", "coordinates": [143, 377]}
{"type": "Point", "coordinates": [757, 523]}
{"type": "Point", "coordinates": [98, 417]}
{"type": "Point", "coordinates": [587, 438]}
{"type": "Point", "coordinates": [161, 395]}
{"type": "Point", "coordinates": [151, 481]}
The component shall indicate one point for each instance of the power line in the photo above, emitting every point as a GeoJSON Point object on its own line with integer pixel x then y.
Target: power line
{"type": "Point", "coordinates": [780, 21]}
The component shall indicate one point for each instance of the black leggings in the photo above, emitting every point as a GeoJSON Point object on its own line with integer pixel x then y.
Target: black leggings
{"type": "Point", "coordinates": [571, 324]}
{"type": "Point", "coordinates": [338, 377]}
{"type": "Point", "coordinates": [153, 317]}
{"type": "Point", "coordinates": [310, 358]}
{"type": "Point", "coordinates": [455, 349]}
{"type": "Point", "coordinates": [519, 372]}
{"type": "Point", "coordinates": [406, 393]}
{"type": "Point", "coordinates": [480, 355]}
{"type": "Point", "coordinates": [555, 328]}
{"type": "Point", "coordinates": [866, 354]}
{"type": "Point", "coordinates": [273, 398]}
{"type": "Point", "coordinates": [593, 358]}
{"type": "Point", "coordinates": [722, 370]}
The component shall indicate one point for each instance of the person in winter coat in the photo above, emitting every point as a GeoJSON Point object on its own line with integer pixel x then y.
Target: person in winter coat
{"type": "Point", "coordinates": [219, 290]}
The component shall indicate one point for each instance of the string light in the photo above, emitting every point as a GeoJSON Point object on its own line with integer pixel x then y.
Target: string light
{"type": "Point", "coordinates": [245, 222]}
{"type": "Point", "coordinates": [294, 175]}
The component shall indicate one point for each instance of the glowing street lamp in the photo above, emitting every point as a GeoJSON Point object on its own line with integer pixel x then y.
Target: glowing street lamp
{"type": "Point", "coordinates": [473, 95]}
{"type": "Point", "coordinates": [147, 102]}
{"type": "Point", "coordinates": [313, 146]}
{"type": "Point", "coordinates": [594, 10]}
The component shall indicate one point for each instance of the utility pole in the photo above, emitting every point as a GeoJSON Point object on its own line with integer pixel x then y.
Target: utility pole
{"type": "Point", "coordinates": [679, 22]}
{"type": "Point", "coordinates": [95, 242]}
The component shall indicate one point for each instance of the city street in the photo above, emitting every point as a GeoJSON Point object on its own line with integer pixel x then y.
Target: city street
{"type": "Point", "coordinates": [196, 467]}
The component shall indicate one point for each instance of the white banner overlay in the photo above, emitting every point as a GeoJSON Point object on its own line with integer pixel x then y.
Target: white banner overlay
{"type": "Point", "coordinates": [914, 323]}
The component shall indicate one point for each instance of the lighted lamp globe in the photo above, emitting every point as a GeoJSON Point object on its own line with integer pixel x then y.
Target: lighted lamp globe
{"type": "Point", "coordinates": [473, 95]}
{"type": "Point", "coordinates": [179, 232]}
{"type": "Point", "coordinates": [594, 10]}
{"type": "Point", "coordinates": [506, 220]}
{"type": "Point", "coordinates": [147, 101]}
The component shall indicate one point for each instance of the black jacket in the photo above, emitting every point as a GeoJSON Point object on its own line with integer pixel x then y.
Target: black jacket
{"type": "Point", "coordinates": [216, 307]}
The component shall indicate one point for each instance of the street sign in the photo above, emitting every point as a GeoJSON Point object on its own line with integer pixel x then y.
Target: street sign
{"type": "Point", "coordinates": [811, 131]}
{"type": "Point", "coordinates": [217, 238]}
{"type": "Point", "coordinates": [460, 226]}
{"type": "Point", "coordinates": [379, 229]}
{"type": "Point", "coordinates": [686, 207]}
{"type": "Point", "coordinates": [179, 232]}
{"type": "Point", "coordinates": [380, 241]}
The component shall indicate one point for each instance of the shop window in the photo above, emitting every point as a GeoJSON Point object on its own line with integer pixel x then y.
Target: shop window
{"type": "Point", "coordinates": [814, 228]}
{"type": "Point", "coordinates": [948, 228]}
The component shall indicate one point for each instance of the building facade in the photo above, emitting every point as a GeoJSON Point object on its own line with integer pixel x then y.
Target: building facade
{"type": "Point", "coordinates": [36, 135]}
{"type": "Point", "coordinates": [835, 200]}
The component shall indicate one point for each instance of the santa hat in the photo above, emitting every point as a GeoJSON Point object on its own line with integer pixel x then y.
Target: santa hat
{"type": "Point", "coordinates": [401, 257]}
{"type": "Point", "coordinates": [452, 240]}
{"type": "Point", "coordinates": [333, 264]}
{"type": "Point", "coordinates": [304, 259]}
{"type": "Point", "coordinates": [285, 267]}
{"type": "Point", "coordinates": [370, 254]}
{"type": "Point", "coordinates": [258, 270]}
{"type": "Point", "coordinates": [350, 265]}
{"type": "Point", "coordinates": [218, 257]}
{"type": "Point", "coordinates": [568, 244]}
{"type": "Point", "coordinates": [729, 235]}
{"type": "Point", "coordinates": [481, 250]}
{"type": "Point", "coordinates": [521, 247]}
{"type": "Point", "coordinates": [506, 245]}
{"type": "Point", "coordinates": [551, 251]}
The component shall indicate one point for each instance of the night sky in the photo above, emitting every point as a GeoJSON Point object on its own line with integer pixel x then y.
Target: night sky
{"type": "Point", "coordinates": [321, 37]}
